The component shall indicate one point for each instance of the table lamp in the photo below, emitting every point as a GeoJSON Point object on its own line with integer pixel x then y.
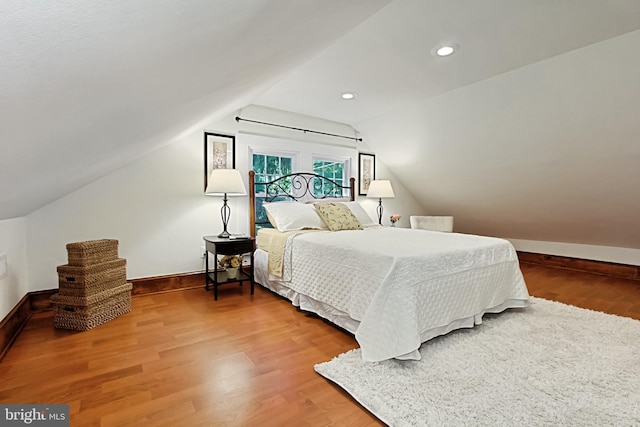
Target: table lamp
{"type": "Point", "coordinates": [225, 182]}
{"type": "Point", "coordinates": [380, 189]}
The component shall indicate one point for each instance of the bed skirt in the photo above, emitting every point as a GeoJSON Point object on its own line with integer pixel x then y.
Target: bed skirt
{"type": "Point", "coordinates": [346, 322]}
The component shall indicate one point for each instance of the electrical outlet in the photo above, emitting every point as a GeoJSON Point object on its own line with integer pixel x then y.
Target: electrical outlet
{"type": "Point", "coordinates": [203, 251]}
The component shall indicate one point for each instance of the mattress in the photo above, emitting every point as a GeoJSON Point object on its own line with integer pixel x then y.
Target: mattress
{"type": "Point", "coordinates": [399, 287]}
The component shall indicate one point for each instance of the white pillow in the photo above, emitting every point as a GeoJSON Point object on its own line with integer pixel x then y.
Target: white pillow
{"type": "Point", "coordinates": [361, 214]}
{"type": "Point", "coordinates": [291, 216]}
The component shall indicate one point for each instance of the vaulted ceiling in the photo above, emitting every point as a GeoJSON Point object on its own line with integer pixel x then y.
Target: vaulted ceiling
{"type": "Point", "coordinates": [87, 86]}
{"type": "Point", "coordinates": [529, 130]}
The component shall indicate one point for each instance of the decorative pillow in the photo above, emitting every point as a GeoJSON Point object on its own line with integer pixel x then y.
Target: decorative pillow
{"type": "Point", "coordinates": [329, 199]}
{"type": "Point", "coordinates": [291, 216]}
{"type": "Point", "coordinates": [337, 216]}
{"type": "Point", "coordinates": [355, 207]}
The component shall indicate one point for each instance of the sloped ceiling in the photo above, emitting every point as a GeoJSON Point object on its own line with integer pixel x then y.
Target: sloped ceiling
{"type": "Point", "coordinates": [528, 131]}
{"type": "Point", "coordinates": [87, 86]}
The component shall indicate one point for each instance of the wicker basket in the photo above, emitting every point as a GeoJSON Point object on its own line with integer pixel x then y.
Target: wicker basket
{"type": "Point", "coordinates": [82, 254]}
{"type": "Point", "coordinates": [88, 300]}
{"type": "Point", "coordinates": [92, 279]}
{"type": "Point", "coordinates": [85, 317]}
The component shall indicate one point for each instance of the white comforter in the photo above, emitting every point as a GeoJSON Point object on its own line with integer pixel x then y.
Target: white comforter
{"type": "Point", "coordinates": [405, 286]}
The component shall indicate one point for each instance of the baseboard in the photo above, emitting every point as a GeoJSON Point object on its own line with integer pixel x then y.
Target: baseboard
{"type": "Point", "coordinates": [623, 271]}
{"type": "Point", "coordinates": [41, 300]}
{"type": "Point", "coordinates": [174, 282]}
{"type": "Point", "coordinates": [612, 254]}
{"type": "Point", "coordinates": [38, 301]}
{"type": "Point", "coordinates": [13, 323]}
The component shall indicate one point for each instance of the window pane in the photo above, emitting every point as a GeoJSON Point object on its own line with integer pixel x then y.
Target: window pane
{"type": "Point", "coordinates": [259, 178]}
{"type": "Point", "coordinates": [258, 163]}
{"type": "Point", "coordinates": [273, 165]}
{"type": "Point", "coordinates": [286, 165]}
{"type": "Point", "coordinates": [330, 169]}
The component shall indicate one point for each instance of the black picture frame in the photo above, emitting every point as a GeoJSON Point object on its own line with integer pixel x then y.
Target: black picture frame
{"type": "Point", "coordinates": [366, 172]}
{"type": "Point", "coordinates": [219, 153]}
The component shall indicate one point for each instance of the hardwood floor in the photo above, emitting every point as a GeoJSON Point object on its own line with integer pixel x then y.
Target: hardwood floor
{"type": "Point", "coordinates": [180, 358]}
{"type": "Point", "coordinates": [592, 291]}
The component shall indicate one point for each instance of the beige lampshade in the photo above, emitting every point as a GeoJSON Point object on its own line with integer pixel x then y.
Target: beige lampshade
{"type": "Point", "coordinates": [225, 181]}
{"type": "Point", "coordinates": [380, 189]}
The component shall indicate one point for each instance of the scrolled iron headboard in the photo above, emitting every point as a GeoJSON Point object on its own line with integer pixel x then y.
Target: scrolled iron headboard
{"type": "Point", "coordinates": [293, 187]}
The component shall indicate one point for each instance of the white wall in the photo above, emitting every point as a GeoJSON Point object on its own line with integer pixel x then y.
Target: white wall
{"type": "Point", "coordinates": [156, 208]}
{"type": "Point", "coordinates": [548, 152]}
{"type": "Point", "coordinates": [13, 245]}
{"type": "Point", "coordinates": [613, 254]}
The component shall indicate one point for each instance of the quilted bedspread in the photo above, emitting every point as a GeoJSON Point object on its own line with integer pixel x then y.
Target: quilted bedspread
{"type": "Point", "coordinates": [405, 286]}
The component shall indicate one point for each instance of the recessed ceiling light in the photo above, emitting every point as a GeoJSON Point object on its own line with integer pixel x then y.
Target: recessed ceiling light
{"type": "Point", "coordinates": [445, 50]}
{"type": "Point", "coordinates": [348, 95]}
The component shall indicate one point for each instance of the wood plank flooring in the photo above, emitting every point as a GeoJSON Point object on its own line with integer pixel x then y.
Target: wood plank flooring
{"type": "Point", "coordinates": [180, 358]}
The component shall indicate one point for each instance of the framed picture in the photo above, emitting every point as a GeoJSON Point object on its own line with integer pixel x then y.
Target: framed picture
{"type": "Point", "coordinates": [219, 153]}
{"type": "Point", "coordinates": [366, 172]}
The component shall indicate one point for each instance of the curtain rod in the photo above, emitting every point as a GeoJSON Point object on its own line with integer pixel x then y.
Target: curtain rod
{"type": "Point", "coordinates": [302, 130]}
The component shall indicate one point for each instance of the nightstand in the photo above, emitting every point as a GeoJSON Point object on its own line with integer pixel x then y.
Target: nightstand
{"type": "Point", "coordinates": [219, 246]}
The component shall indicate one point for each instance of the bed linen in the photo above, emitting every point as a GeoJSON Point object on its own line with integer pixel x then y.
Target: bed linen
{"type": "Point", "coordinates": [274, 243]}
{"type": "Point", "coordinates": [400, 286]}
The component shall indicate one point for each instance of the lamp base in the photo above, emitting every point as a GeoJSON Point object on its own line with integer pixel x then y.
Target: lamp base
{"type": "Point", "coordinates": [379, 211]}
{"type": "Point", "coordinates": [225, 213]}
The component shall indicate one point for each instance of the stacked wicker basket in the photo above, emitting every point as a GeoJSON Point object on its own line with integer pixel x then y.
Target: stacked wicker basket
{"type": "Point", "coordinates": [93, 286]}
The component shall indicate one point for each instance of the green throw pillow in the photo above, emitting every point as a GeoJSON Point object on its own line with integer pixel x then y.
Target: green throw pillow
{"type": "Point", "coordinates": [337, 216]}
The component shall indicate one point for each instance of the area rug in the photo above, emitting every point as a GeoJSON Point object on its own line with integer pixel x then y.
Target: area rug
{"type": "Point", "coordinates": [545, 365]}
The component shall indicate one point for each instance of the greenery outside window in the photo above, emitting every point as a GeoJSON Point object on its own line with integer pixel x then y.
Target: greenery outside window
{"type": "Point", "coordinates": [268, 167]}
{"type": "Point", "coordinates": [334, 169]}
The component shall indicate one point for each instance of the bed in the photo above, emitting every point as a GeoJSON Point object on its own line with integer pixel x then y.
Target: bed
{"type": "Point", "coordinates": [393, 288]}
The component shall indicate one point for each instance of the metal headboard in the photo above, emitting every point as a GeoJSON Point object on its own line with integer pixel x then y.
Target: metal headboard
{"type": "Point", "coordinates": [292, 187]}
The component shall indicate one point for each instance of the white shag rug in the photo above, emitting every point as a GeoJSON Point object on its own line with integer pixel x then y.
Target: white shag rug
{"type": "Point", "coordinates": [549, 364]}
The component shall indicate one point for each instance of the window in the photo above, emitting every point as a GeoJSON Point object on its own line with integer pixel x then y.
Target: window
{"type": "Point", "coordinates": [334, 169]}
{"type": "Point", "coordinates": [267, 167]}
{"type": "Point", "coordinates": [270, 166]}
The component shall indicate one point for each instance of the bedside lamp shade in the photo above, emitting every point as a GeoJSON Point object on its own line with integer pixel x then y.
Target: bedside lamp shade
{"type": "Point", "coordinates": [380, 189]}
{"type": "Point", "coordinates": [225, 182]}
